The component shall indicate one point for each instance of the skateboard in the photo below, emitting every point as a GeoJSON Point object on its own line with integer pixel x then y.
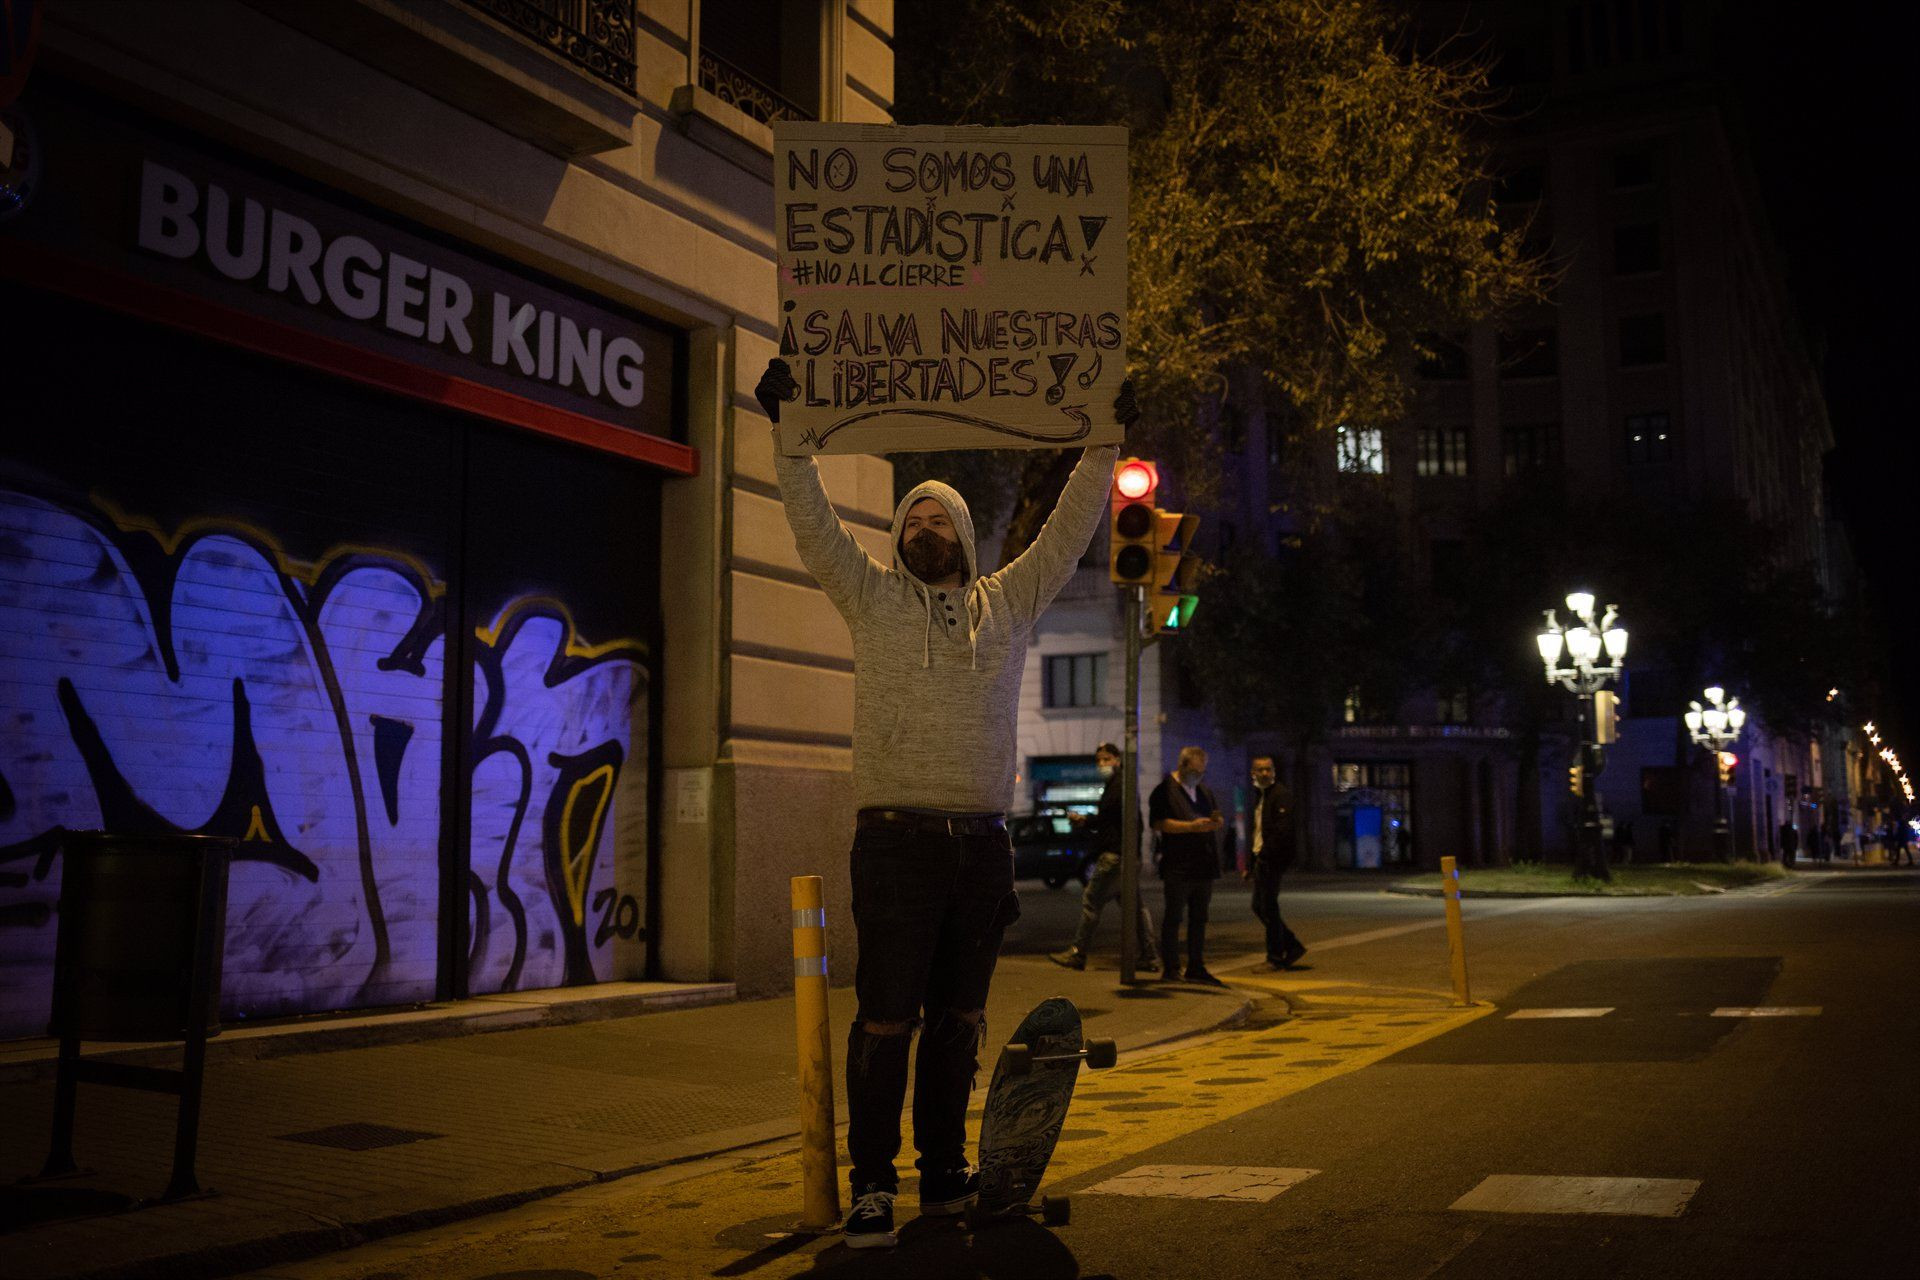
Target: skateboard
{"type": "Point", "coordinates": [1026, 1106]}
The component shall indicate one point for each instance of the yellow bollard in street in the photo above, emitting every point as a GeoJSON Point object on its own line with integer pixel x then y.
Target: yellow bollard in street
{"type": "Point", "coordinates": [819, 1176]}
{"type": "Point", "coordinates": [1456, 939]}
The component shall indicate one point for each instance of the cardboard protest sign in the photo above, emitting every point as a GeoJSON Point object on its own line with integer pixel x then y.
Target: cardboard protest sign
{"type": "Point", "coordinates": [950, 288]}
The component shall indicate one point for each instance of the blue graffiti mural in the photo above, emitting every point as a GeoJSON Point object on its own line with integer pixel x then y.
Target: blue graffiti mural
{"type": "Point", "coordinates": [196, 679]}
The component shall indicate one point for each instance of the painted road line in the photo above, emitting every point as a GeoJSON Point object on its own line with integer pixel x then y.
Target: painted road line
{"type": "Point", "coordinates": [1203, 1182]}
{"type": "Point", "coordinates": [1600, 1012]}
{"type": "Point", "coordinates": [720, 1221]}
{"type": "Point", "coordinates": [1523, 1193]}
{"type": "Point", "coordinates": [1768, 1011]}
{"type": "Point", "coordinates": [1478, 912]}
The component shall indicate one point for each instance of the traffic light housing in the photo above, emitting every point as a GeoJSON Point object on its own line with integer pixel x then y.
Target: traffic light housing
{"type": "Point", "coordinates": [1729, 763]}
{"type": "Point", "coordinates": [1577, 778]}
{"type": "Point", "coordinates": [1130, 559]}
{"type": "Point", "coordinates": [1176, 572]}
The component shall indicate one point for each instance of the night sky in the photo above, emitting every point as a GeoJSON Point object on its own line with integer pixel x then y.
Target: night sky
{"type": "Point", "coordinates": [1830, 117]}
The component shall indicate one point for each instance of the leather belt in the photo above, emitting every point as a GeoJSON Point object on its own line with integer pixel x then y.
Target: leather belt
{"type": "Point", "coordinates": [979, 824]}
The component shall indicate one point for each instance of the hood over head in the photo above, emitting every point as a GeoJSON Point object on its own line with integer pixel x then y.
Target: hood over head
{"type": "Point", "coordinates": [949, 497]}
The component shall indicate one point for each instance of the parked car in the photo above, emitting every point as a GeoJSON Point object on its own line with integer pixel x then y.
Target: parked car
{"type": "Point", "coordinates": [1048, 847]}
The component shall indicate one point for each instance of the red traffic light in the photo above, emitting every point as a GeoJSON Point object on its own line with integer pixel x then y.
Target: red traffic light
{"type": "Point", "coordinates": [1135, 479]}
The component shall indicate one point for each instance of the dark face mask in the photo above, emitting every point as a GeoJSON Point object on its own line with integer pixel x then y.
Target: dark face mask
{"type": "Point", "coordinates": [930, 557]}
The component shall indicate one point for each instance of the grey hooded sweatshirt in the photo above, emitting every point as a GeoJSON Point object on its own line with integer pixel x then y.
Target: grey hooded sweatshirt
{"type": "Point", "coordinates": [936, 674]}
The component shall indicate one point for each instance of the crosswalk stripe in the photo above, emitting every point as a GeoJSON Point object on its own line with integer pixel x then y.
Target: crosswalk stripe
{"type": "Point", "coordinates": [1203, 1182]}
{"type": "Point", "coordinates": [1600, 1012]}
{"type": "Point", "coordinates": [1768, 1011]}
{"type": "Point", "coordinates": [1528, 1193]}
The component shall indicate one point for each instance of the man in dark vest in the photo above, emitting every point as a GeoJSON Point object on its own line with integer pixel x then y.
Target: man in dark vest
{"type": "Point", "coordinates": [1185, 814]}
{"type": "Point", "coordinates": [1270, 845]}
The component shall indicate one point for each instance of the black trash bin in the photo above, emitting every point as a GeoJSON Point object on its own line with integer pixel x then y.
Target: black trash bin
{"type": "Point", "coordinates": [142, 928]}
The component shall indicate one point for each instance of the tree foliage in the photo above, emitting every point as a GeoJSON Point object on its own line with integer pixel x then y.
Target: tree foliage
{"type": "Point", "coordinates": [1308, 196]}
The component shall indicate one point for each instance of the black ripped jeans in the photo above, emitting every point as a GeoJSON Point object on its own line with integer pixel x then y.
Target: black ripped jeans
{"type": "Point", "coordinates": [929, 910]}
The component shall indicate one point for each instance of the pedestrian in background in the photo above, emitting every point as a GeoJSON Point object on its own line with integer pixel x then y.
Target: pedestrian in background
{"type": "Point", "coordinates": [1105, 834]}
{"type": "Point", "coordinates": [1270, 849]}
{"type": "Point", "coordinates": [1789, 842]}
{"type": "Point", "coordinates": [1186, 815]}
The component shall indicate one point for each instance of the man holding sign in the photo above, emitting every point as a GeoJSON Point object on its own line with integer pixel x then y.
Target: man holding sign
{"type": "Point", "coordinates": [939, 649]}
{"type": "Point", "coordinates": [939, 289]}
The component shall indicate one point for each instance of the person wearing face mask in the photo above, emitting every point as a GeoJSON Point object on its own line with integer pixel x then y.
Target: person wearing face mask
{"type": "Point", "coordinates": [1186, 815]}
{"type": "Point", "coordinates": [1270, 837]}
{"type": "Point", "coordinates": [938, 651]}
{"type": "Point", "coordinates": [1105, 833]}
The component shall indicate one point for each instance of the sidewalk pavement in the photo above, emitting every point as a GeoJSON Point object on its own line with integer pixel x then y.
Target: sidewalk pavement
{"type": "Point", "coordinates": [318, 1139]}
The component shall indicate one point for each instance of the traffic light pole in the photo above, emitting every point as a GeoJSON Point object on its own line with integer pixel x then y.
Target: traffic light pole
{"type": "Point", "coordinates": [1130, 796]}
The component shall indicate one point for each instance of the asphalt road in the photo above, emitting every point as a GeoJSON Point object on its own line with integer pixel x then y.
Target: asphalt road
{"type": "Point", "coordinates": [1374, 1134]}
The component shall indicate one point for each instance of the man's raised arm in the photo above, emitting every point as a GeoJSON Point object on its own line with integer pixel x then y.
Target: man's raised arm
{"type": "Point", "coordinates": [827, 547]}
{"type": "Point", "coordinates": [1033, 580]}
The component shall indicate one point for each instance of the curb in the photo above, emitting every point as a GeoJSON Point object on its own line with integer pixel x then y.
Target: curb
{"type": "Point", "coordinates": [233, 1257]}
{"type": "Point", "coordinates": [38, 1062]}
{"type": "Point", "coordinates": [1407, 891]}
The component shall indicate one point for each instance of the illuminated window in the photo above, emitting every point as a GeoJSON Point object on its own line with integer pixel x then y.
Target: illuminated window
{"type": "Point", "coordinates": [1649, 438]}
{"type": "Point", "coordinates": [1442, 452]}
{"type": "Point", "coordinates": [1360, 450]}
{"type": "Point", "coordinates": [1453, 707]}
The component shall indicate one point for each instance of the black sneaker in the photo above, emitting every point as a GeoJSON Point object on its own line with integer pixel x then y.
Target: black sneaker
{"type": "Point", "coordinates": [869, 1223]}
{"type": "Point", "coordinates": [1071, 958]}
{"type": "Point", "coordinates": [1204, 977]}
{"type": "Point", "coordinates": [943, 1195]}
{"type": "Point", "coordinates": [1291, 956]}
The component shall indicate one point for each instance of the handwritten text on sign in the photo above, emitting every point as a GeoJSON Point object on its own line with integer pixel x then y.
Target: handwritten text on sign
{"type": "Point", "coordinates": [948, 288]}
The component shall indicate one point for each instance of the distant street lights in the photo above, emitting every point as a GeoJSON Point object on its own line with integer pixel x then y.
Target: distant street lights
{"type": "Point", "coordinates": [1716, 727]}
{"type": "Point", "coordinates": [1583, 646]}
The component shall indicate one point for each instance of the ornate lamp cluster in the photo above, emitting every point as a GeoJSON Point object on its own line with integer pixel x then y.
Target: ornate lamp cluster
{"type": "Point", "coordinates": [1582, 646]}
{"type": "Point", "coordinates": [1716, 725]}
{"type": "Point", "coordinates": [1893, 760]}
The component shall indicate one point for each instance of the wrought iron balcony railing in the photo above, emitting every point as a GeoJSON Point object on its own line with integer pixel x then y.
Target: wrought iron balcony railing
{"type": "Point", "coordinates": [738, 89]}
{"type": "Point", "coordinates": [595, 35]}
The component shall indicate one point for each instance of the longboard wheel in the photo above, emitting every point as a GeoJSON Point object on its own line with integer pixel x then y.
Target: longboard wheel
{"type": "Point", "coordinates": [1019, 1059]}
{"type": "Point", "coordinates": [1056, 1211]}
{"type": "Point", "coordinates": [1102, 1053]}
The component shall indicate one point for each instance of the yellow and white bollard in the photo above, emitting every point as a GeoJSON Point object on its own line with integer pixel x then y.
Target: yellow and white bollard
{"type": "Point", "coordinates": [819, 1176]}
{"type": "Point", "coordinates": [1456, 939]}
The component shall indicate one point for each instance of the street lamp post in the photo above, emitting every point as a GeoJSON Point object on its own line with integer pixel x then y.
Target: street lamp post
{"type": "Point", "coordinates": [1716, 727]}
{"type": "Point", "coordinates": [1595, 653]}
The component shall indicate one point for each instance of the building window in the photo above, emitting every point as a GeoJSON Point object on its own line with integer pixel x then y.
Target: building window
{"type": "Point", "coordinates": [763, 59]}
{"type": "Point", "coordinates": [1360, 450]}
{"type": "Point", "coordinates": [1446, 361]}
{"type": "Point", "coordinates": [1633, 169]}
{"type": "Point", "coordinates": [596, 35]}
{"type": "Point", "coordinates": [1529, 447]}
{"type": "Point", "coordinates": [1530, 353]}
{"type": "Point", "coordinates": [1636, 249]}
{"type": "Point", "coordinates": [1649, 438]}
{"type": "Point", "coordinates": [1442, 452]}
{"type": "Point", "coordinates": [1643, 340]}
{"type": "Point", "coordinates": [1074, 680]}
{"type": "Point", "coordinates": [1373, 813]}
{"type": "Point", "coordinates": [1453, 706]}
